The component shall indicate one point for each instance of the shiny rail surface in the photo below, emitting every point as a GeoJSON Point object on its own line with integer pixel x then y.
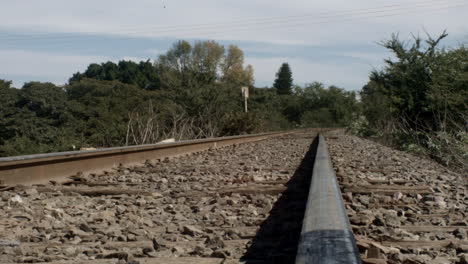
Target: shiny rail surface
{"type": "Point", "coordinates": [326, 236]}
{"type": "Point", "coordinates": [31, 169]}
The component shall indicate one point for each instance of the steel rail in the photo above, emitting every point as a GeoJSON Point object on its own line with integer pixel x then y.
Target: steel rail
{"type": "Point", "coordinates": [326, 235]}
{"type": "Point", "coordinates": [58, 166]}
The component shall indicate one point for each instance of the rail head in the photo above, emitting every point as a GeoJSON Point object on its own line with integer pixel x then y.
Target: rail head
{"type": "Point", "coordinates": [326, 235]}
{"type": "Point", "coordinates": [58, 166]}
{"type": "Point", "coordinates": [105, 151]}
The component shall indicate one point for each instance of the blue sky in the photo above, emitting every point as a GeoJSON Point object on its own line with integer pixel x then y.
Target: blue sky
{"type": "Point", "coordinates": [332, 41]}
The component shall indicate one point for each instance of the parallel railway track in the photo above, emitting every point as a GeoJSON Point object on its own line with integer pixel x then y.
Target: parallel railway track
{"type": "Point", "coordinates": [55, 166]}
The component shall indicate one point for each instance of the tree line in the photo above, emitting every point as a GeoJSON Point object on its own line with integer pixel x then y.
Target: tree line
{"type": "Point", "coordinates": [416, 102]}
{"type": "Point", "coordinates": [191, 91]}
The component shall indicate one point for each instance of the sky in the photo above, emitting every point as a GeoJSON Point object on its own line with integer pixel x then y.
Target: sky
{"type": "Point", "coordinates": [334, 41]}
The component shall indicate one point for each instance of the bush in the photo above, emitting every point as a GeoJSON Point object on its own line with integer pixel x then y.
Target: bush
{"type": "Point", "coordinates": [418, 101]}
{"type": "Point", "coordinates": [237, 123]}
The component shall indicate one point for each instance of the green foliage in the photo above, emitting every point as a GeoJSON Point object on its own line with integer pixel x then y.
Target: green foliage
{"type": "Point", "coordinates": [188, 67]}
{"type": "Point", "coordinates": [44, 99]}
{"type": "Point", "coordinates": [328, 107]}
{"type": "Point", "coordinates": [284, 81]}
{"type": "Point", "coordinates": [191, 91]}
{"type": "Point", "coordinates": [8, 98]}
{"type": "Point", "coordinates": [375, 107]}
{"type": "Point", "coordinates": [311, 106]}
{"type": "Point", "coordinates": [321, 117]}
{"type": "Point", "coordinates": [233, 68]}
{"type": "Point", "coordinates": [102, 110]}
{"type": "Point", "coordinates": [237, 123]}
{"type": "Point", "coordinates": [268, 106]}
{"type": "Point", "coordinates": [34, 119]}
{"type": "Point", "coordinates": [418, 101]}
{"type": "Point", "coordinates": [407, 81]}
{"type": "Point", "coordinates": [142, 74]}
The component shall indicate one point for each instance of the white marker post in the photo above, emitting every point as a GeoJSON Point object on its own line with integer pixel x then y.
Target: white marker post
{"type": "Point", "coordinates": [245, 94]}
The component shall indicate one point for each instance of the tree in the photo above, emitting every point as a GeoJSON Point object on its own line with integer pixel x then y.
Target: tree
{"type": "Point", "coordinates": [174, 66]}
{"type": "Point", "coordinates": [408, 80]}
{"type": "Point", "coordinates": [418, 100]}
{"type": "Point", "coordinates": [191, 91]}
{"type": "Point", "coordinates": [142, 74]}
{"type": "Point", "coordinates": [35, 119]}
{"type": "Point", "coordinates": [284, 80]}
{"type": "Point", "coordinates": [206, 61]}
{"type": "Point", "coordinates": [233, 68]}
{"type": "Point", "coordinates": [327, 107]}
{"type": "Point", "coordinates": [375, 107]}
{"type": "Point", "coordinates": [8, 99]}
{"type": "Point", "coordinates": [102, 110]}
{"type": "Point", "coordinates": [187, 66]}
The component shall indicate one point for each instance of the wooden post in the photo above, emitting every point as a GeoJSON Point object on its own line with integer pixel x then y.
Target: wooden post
{"type": "Point", "coordinates": [245, 105]}
{"type": "Point", "coordinates": [245, 94]}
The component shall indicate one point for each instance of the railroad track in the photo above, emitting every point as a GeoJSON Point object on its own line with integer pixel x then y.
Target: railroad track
{"type": "Point", "coordinates": [198, 208]}
{"type": "Point", "coordinates": [243, 203]}
{"type": "Point", "coordinates": [41, 168]}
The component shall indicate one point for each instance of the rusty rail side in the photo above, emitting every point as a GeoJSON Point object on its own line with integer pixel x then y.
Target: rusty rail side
{"type": "Point", "coordinates": [58, 166]}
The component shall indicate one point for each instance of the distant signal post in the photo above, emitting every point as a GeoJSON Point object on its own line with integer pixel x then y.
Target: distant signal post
{"type": "Point", "coordinates": [245, 94]}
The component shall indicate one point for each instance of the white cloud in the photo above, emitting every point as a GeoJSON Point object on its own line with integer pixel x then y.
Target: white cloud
{"type": "Point", "coordinates": [372, 58]}
{"type": "Point", "coordinates": [289, 23]}
{"type": "Point", "coordinates": [37, 64]}
{"type": "Point", "coordinates": [284, 22]}
{"type": "Point", "coordinates": [53, 67]}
